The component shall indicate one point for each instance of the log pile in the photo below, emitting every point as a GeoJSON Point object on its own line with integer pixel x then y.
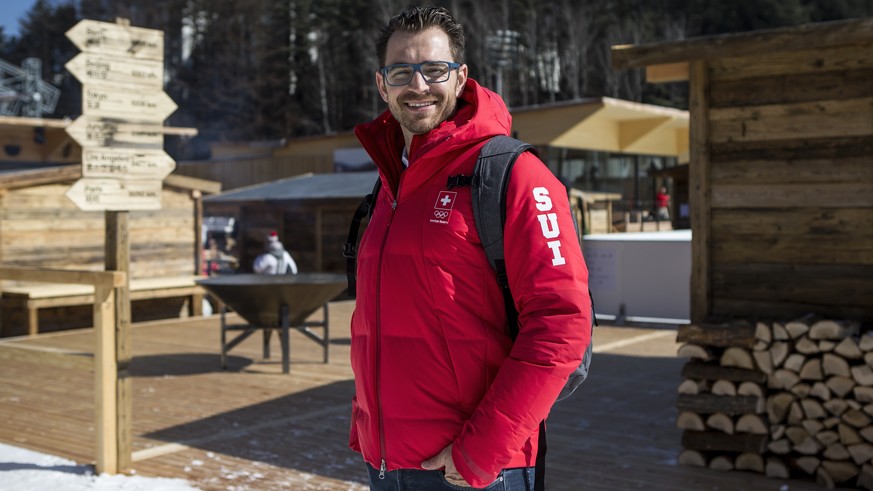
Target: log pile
{"type": "Point", "coordinates": [783, 399]}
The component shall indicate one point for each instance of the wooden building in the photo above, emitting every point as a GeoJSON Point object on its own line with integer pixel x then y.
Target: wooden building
{"type": "Point", "coordinates": [41, 227]}
{"type": "Point", "coordinates": [781, 198]}
{"type": "Point", "coordinates": [237, 165]}
{"type": "Point", "coordinates": [781, 167]}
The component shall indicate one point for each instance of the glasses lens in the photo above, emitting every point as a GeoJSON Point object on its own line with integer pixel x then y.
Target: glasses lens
{"type": "Point", "coordinates": [435, 71]}
{"type": "Point", "coordinates": [399, 74]}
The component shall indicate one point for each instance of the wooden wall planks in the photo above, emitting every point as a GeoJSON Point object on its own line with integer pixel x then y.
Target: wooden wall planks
{"type": "Point", "coordinates": [790, 177]}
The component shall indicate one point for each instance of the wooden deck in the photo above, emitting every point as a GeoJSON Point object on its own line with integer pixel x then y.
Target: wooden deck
{"type": "Point", "coordinates": [252, 428]}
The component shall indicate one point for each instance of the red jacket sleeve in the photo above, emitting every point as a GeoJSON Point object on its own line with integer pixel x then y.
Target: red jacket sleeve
{"type": "Point", "coordinates": [549, 282]}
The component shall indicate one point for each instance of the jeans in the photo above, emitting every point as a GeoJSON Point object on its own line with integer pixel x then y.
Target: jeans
{"type": "Point", "coordinates": [520, 479]}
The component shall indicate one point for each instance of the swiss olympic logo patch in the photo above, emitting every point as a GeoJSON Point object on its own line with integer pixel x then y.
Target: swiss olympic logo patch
{"type": "Point", "coordinates": [442, 209]}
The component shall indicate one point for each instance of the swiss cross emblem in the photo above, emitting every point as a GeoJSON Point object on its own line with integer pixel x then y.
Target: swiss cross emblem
{"type": "Point", "coordinates": [443, 206]}
{"type": "Point", "coordinates": [446, 200]}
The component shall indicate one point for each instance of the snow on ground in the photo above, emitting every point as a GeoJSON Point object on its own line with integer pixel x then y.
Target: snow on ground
{"type": "Point", "coordinates": [25, 470]}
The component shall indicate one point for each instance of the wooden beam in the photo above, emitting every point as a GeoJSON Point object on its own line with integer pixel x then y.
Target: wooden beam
{"type": "Point", "coordinates": [197, 199]}
{"type": "Point", "coordinates": [17, 121]}
{"type": "Point", "coordinates": [716, 441]}
{"type": "Point", "coordinates": [793, 121]}
{"type": "Point", "coordinates": [193, 183]}
{"type": "Point", "coordinates": [699, 191]}
{"type": "Point", "coordinates": [180, 131]}
{"type": "Point", "coordinates": [668, 72]}
{"type": "Point", "coordinates": [807, 36]}
{"type": "Point", "coordinates": [97, 278]}
{"type": "Point", "coordinates": [36, 177]}
{"type": "Point", "coordinates": [772, 196]}
{"type": "Point", "coordinates": [719, 334]}
{"type": "Point", "coordinates": [793, 63]}
{"type": "Point", "coordinates": [711, 404]}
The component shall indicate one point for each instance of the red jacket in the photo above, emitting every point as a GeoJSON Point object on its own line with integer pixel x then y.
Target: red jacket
{"type": "Point", "coordinates": [433, 363]}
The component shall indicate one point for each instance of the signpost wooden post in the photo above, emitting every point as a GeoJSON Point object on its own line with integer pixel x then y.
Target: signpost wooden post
{"type": "Point", "coordinates": [123, 163]}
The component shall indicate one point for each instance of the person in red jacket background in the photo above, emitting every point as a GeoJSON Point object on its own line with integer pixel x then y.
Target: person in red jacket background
{"type": "Point", "coordinates": [443, 396]}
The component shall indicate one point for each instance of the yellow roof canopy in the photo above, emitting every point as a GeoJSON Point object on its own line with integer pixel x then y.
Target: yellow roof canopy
{"type": "Point", "coordinates": [605, 124]}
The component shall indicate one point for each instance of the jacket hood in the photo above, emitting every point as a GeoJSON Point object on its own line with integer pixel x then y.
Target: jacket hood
{"type": "Point", "coordinates": [480, 115]}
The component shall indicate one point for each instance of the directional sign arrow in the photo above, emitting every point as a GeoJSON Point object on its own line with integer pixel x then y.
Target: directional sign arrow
{"type": "Point", "coordinates": [116, 195]}
{"type": "Point", "coordinates": [93, 133]}
{"type": "Point", "coordinates": [105, 102]}
{"type": "Point", "coordinates": [126, 163]}
{"type": "Point", "coordinates": [111, 71]}
{"type": "Point", "coordinates": [115, 39]}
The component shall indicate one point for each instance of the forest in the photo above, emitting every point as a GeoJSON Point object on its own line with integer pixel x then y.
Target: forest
{"type": "Point", "coordinates": [272, 69]}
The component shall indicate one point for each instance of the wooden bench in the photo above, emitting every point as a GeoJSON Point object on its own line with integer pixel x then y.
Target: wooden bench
{"type": "Point", "coordinates": [31, 298]}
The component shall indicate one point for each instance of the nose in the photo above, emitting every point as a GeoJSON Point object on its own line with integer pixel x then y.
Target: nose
{"type": "Point", "coordinates": [418, 83]}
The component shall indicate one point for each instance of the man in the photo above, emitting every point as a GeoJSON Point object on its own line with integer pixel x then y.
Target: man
{"type": "Point", "coordinates": [275, 259]}
{"type": "Point", "coordinates": [439, 384]}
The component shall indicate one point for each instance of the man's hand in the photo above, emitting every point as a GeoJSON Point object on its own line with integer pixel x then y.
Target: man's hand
{"type": "Point", "coordinates": [444, 459]}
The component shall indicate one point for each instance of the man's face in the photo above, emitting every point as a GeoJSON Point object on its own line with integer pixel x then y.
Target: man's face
{"type": "Point", "coordinates": [420, 106]}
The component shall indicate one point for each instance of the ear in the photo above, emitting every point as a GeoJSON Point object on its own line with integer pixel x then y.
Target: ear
{"type": "Point", "coordinates": [462, 80]}
{"type": "Point", "coordinates": [382, 86]}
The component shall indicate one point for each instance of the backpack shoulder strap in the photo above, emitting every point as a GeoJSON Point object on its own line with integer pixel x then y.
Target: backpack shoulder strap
{"type": "Point", "coordinates": [490, 181]}
{"type": "Point", "coordinates": [350, 248]}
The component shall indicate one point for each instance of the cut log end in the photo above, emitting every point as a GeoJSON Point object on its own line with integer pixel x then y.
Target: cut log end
{"type": "Point", "coordinates": [692, 458]}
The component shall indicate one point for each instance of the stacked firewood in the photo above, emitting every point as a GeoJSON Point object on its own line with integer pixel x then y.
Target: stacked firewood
{"type": "Point", "coordinates": [787, 400]}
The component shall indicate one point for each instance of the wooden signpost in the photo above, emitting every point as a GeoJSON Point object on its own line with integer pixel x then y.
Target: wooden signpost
{"type": "Point", "coordinates": [115, 162]}
{"type": "Point", "coordinates": [105, 102]}
{"type": "Point", "coordinates": [117, 40]}
{"type": "Point", "coordinates": [110, 70]}
{"type": "Point", "coordinates": [123, 163]}
{"type": "Point", "coordinates": [91, 194]}
{"type": "Point", "coordinates": [91, 133]}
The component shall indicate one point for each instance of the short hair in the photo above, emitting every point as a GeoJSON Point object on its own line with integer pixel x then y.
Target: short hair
{"type": "Point", "coordinates": [418, 19]}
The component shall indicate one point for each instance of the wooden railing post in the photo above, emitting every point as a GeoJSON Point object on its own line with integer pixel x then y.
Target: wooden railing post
{"type": "Point", "coordinates": [117, 253]}
{"type": "Point", "coordinates": [110, 448]}
{"type": "Point", "coordinates": [105, 380]}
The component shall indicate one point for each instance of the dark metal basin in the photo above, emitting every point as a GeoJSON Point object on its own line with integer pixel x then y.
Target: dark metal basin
{"type": "Point", "coordinates": [257, 298]}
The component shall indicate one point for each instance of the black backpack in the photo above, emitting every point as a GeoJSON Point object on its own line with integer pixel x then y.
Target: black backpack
{"type": "Point", "coordinates": [488, 184]}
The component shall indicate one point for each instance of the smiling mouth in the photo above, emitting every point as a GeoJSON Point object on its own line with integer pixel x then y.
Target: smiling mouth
{"type": "Point", "coordinates": [419, 105]}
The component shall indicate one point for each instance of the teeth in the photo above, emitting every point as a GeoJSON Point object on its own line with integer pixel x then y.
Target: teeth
{"type": "Point", "coordinates": [420, 104]}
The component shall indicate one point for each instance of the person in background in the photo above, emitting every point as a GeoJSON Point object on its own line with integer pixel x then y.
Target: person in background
{"type": "Point", "coordinates": [444, 399]}
{"type": "Point", "coordinates": [211, 258]}
{"type": "Point", "coordinates": [275, 259]}
{"type": "Point", "coordinates": [662, 204]}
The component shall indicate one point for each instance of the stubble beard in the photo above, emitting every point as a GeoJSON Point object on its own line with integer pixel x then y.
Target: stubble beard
{"type": "Point", "coordinates": [417, 124]}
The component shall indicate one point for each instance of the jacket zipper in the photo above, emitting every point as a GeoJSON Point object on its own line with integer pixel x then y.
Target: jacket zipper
{"type": "Point", "coordinates": [383, 466]}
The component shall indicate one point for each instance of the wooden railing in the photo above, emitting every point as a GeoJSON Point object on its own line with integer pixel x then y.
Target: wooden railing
{"type": "Point", "coordinates": [108, 413]}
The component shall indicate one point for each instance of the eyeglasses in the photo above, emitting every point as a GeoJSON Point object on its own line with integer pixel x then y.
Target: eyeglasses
{"type": "Point", "coordinates": [433, 72]}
